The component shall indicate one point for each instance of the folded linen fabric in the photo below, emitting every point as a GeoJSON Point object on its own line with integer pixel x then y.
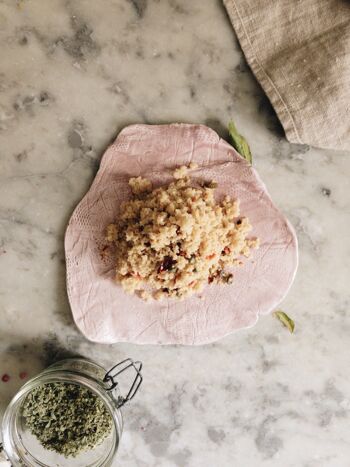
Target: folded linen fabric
{"type": "Point", "coordinates": [299, 51]}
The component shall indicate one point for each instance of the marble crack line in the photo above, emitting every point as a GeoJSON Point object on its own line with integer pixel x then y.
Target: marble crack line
{"type": "Point", "coordinates": [18, 221]}
{"type": "Point", "coordinates": [58, 174]}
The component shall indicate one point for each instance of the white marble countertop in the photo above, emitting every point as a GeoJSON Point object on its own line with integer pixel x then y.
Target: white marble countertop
{"type": "Point", "coordinates": [72, 75]}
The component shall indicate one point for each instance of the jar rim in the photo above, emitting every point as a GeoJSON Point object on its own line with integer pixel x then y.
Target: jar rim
{"type": "Point", "coordinates": [51, 375]}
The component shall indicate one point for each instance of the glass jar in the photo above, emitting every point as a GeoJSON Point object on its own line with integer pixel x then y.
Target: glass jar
{"type": "Point", "coordinates": [23, 449]}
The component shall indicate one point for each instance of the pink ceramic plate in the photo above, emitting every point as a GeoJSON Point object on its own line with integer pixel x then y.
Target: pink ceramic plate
{"type": "Point", "coordinates": [105, 313]}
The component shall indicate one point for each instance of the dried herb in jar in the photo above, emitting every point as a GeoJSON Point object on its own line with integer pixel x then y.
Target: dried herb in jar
{"type": "Point", "coordinates": [66, 418]}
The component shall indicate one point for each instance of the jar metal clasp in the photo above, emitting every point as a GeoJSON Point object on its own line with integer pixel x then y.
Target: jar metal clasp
{"type": "Point", "coordinates": [111, 379]}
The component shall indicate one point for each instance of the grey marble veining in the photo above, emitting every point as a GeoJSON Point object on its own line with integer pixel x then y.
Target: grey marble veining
{"type": "Point", "coordinates": [72, 74]}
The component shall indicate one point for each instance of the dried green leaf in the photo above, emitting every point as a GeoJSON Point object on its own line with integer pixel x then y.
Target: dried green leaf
{"type": "Point", "coordinates": [285, 320]}
{"type": "Point", "coordinates": [66, 418]}
{"type": "Point", "coordinates": [239, 142]}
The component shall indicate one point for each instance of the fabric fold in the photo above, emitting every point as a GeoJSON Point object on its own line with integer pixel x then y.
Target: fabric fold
{"type": "Point", "coordinates": [299, 52]}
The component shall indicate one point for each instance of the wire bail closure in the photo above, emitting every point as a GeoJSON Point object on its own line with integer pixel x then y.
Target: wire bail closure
{"type": "Point", "coordinates": [114, 372]}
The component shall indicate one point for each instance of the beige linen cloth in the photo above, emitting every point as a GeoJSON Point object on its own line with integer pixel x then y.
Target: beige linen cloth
{"type": "Point", "coordinates": [299, 50]}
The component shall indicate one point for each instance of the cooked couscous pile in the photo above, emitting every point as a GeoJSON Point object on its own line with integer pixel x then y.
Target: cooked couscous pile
{"type": "Point", "coordinates": [174, 240]}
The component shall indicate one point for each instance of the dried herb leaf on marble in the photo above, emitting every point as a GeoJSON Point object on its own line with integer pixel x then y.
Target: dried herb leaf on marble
{"type": "Point", "coordinates": [239, 142]}
{"type": "Point", "coordinates": [285, 320]}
